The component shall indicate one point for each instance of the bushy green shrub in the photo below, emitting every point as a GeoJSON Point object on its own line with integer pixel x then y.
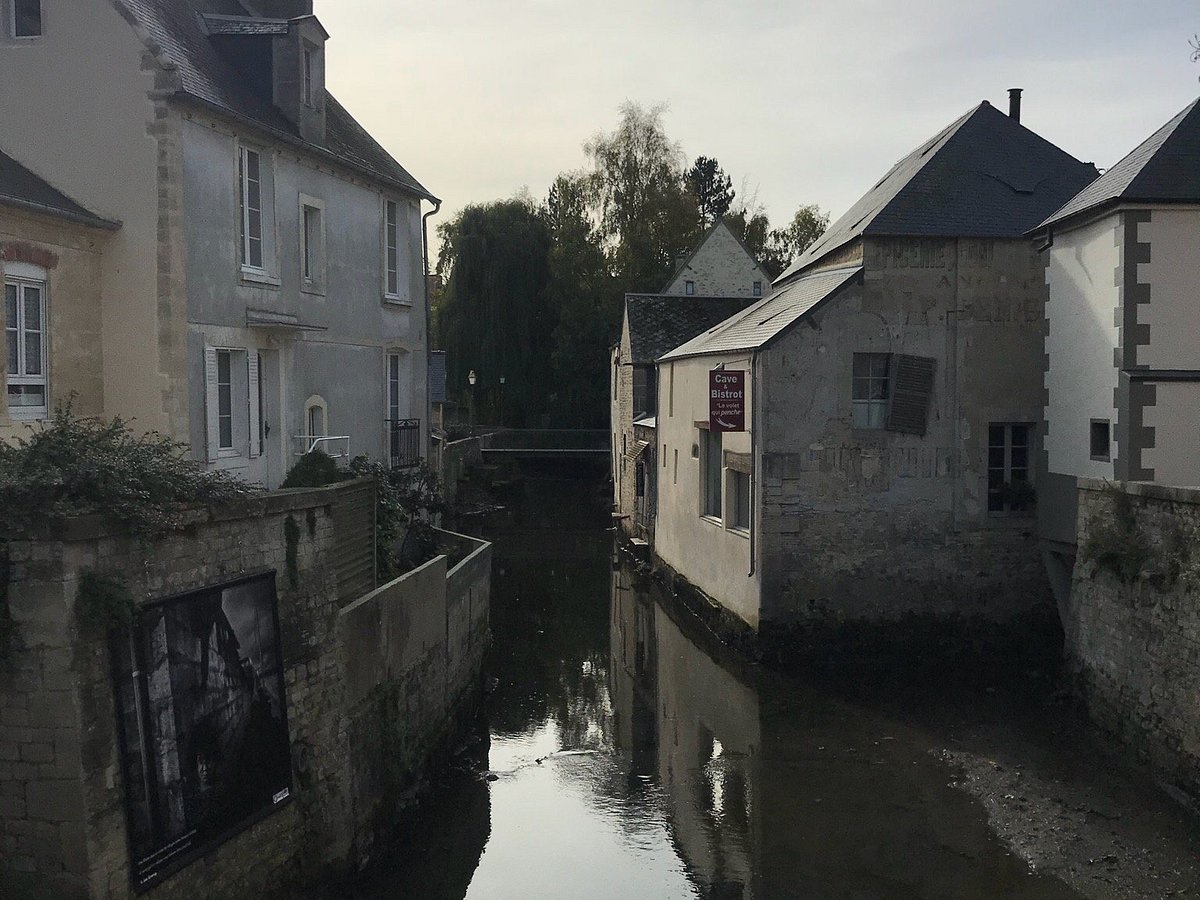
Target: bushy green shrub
{"type": "Point", "coordinates": [71, 465]}
{"type": "Point", "coordinates": [1116, 542]}
{"type": "Point", "coordinates": [314, 469]}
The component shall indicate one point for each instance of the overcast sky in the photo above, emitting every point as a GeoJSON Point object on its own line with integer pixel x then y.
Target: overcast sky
{"type": "Point", "coordinates": [803, 102]}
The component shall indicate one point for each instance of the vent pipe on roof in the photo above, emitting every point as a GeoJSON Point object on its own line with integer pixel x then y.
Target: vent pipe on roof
{"type": "Point", "coordinates": [1014, 103]}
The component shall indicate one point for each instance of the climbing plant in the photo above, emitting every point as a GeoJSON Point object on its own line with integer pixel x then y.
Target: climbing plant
{"type": "Point", "coordinates": [103, 603]}
{"type": "Point", "coordinates": [73, 465]}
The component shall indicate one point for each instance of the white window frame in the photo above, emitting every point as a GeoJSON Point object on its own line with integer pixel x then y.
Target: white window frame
{"type": "Point", "coordinates": [395, 379]}
{"type": "Point", "coordinates": [391, 223]}
{"type": "Point", "coordinates": [244, 209]}
{"type": "Point", "coordinates": [312, 259]}
{"type": "Point", "coordinates": [23, 277]}
{"type": "Point", "coordinates": [225, 401]}
{"type": "Point", "coordinates": [245, 410]}
{"type": "Point", "coordinates": [757, 289]}
{"type": "Point", "coordinates": [870, 413]}
{"type": "Point", "coordinates": [12, 22]}
{"type": "Point", "coordinates": [689, 288]}
{"type": "Point", "coordinates": [1007, 448]}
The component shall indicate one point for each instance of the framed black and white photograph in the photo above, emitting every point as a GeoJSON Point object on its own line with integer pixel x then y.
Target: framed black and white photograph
{"type": "Point", "coordinates": [202, 716]}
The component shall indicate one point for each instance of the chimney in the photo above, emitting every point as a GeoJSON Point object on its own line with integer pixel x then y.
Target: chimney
{"type": "Point", "coordinates": [1014, 104]}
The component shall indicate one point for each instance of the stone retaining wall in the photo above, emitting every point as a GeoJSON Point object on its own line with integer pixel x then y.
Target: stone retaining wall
{"type": "Point", "coordinates": [1134, 642]}
{"type": "Point", "coordinates": [359, 734]}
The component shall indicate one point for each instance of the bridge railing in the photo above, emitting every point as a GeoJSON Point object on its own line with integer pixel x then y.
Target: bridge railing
{"type": "Point", "coordinates": [546, 440]}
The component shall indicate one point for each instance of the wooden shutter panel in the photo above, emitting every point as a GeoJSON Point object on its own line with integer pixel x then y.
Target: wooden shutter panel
{"type": "Point", "coordinates": [211, 413]}
{"type": "Point", "coordinates": [912, 385]}
{"type": "Point", "coordinates": [255, 411]}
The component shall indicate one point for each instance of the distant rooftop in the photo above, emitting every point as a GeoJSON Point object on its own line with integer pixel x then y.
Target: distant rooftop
{"type": "Point", "coordinates": [1164, 168]}
{"type": "Point", "coordinates": [755, 327]}
{"type": "Point", "coordinates": [984, 175]}
{"type": "Point", "coordinates": [21, 188]}
{"type": "Point", "coordinates": [659, 322]}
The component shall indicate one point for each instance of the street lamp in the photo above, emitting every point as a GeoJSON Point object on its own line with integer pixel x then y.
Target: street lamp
{"type": "Point", "coordinates": [471, 379]}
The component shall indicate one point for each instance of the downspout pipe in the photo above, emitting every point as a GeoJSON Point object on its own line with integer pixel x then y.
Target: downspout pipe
{"type": "Point", "coordinates": [437, 205]}
{"type": "Point", "coordinates": [756, 470]}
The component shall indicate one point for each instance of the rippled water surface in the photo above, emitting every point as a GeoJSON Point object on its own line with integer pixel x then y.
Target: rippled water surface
{"type": "Point", "coordinates": [628, 757]}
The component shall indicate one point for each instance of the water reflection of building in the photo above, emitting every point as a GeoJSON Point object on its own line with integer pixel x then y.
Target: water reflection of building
{"type": "Point", "coordinates": [691, 725]}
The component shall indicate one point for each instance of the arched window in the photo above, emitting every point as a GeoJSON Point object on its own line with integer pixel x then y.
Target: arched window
{"type": "Point", "coordinates": [316, 417]}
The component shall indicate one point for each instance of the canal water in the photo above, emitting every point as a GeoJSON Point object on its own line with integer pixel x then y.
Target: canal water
{"type": "Point", "coordinates": [627, 755]}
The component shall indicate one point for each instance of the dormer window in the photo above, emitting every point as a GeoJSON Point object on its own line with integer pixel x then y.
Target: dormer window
{"type": "Point", "coordinates": [26, 18]}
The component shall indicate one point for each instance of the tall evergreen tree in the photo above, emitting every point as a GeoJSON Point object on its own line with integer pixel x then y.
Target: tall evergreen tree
{"type": "Point", "coordinates": [711, 187]}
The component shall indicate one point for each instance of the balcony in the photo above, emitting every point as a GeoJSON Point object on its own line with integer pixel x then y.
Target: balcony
{"type": "Point", "coordinates": [404, 442]}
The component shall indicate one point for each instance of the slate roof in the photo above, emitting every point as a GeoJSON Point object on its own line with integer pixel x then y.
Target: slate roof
{"type": "Point", "coordinates": [1165, 168]}
{"type": "Point", "coordinates": [240, 25]}
{"type": "Point", "coordinates": [177, 29]}
{"type": "Point", "coordinates": [21, 188]}
{"type": "Point", "coordinates": [761, 323]}
{"type": "Point", "coordinates": [984, 175]}
{"type": "Point", "coordinates": [659, 322]}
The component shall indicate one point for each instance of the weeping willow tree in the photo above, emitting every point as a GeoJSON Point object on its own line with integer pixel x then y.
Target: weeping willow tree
{"type": "Point", "coordinates": [493, 316]}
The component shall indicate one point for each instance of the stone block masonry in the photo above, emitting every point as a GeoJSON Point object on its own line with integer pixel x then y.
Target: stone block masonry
{"type": "Point", "coordinates": [1133, 637]}
{"type": "Point", "coordinates": [368, 707]}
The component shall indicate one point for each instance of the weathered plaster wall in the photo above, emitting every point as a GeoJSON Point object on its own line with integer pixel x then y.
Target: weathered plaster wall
{"type": "Point", "coordinates": [868, 524]}
{"type": "Point", "coordinates": [721, 268]}
{"type": "Point", "coordinates": [103, 146]}
{"type": "Point", "coordinates": [622, 432]}
{"type": "Point", "coordinates": [345, 363]}
{"type": "Point", "coordinates": [705, 550]}
{"type": "Point", "coordinates": [1136, 647]}
{"type": "Point", "coordinates": [366, 706]}
{"type": "Point", "coordinates": [73, 306]}
{"type": "Point", "coordinates": [1084, 279]}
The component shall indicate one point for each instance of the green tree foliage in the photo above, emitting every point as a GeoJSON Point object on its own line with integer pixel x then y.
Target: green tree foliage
{"type": "Point", "coordinates": [493, 316]}
{"type": "Point", "coordinates": [646, 215]}
{"type": "Point", "coordinates": [581, 288]}
{"type": "Point", "coordinates": [711, 187]}
{"type": "Point", "coordinates": [70, 466]}
{"type": "Point", "coordinates": [778, 248]}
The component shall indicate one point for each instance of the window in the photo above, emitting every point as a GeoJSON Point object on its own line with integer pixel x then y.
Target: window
{"type": "Point", "coordinates": [1101, 440]}
{"type": "Point", "coordinates": [233, 403]}
{"type": "Point", "coordinates": [1010, 487]}
{"type": "Point", "coordinates": [394, 406]}
{"type": "Point", "coordinates": [224, 400]}
{"type": "Point", "coordinates": [251, 182]}
{"type": "Point", "coordinates": [316, 421]}
{"type": "Point", "coordinates": [689, 288]}
{"type": "Point", "coordinates": [739, 500]}
{"type": "Point", "coordinates": [310, 53]}
{"type": "Point", "coordinates": [710, 473]}
{"type": "Point", "coordinates": [25, 343]}
{"type": "Point", "coordinates": [392, 247]}
{"type": "Point", "coordinates": [26, 18]}
{"type": "Point", "coordinates": [871, 389]}
{"type": "Point", "coordinates": [758, 289]}
{"type": "Point", "coordinates": [312, 240]}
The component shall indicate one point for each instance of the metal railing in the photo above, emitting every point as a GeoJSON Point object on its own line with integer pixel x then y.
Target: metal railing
{"type": "Point", "coordinates": [335, 446]}
{"type": "Point", "coordinates": [404, 442]}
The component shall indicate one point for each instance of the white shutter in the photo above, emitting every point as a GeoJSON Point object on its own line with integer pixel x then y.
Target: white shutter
{"type": "Point", "coordinates": [255, 411]}
{"type": "Point", "coordinates": [211, 411]}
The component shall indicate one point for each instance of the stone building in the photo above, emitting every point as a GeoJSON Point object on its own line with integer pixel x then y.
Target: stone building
{"type": "Point", "coordinates": [265, 289]}
{"type": "Point", "coordinates": [50, 249]}
{"type": "Point", "coordinates": [719, 277]}
{"type": "Point", "coordinates": [894, 394]}
{"type": "Point", "coordinates": [1122, 350]}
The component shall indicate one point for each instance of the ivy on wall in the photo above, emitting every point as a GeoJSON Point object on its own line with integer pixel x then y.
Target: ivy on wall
{"type": "Point", "coordinates": [1119, 544]}
{"type": "Point", "coordinates": [102, 604]}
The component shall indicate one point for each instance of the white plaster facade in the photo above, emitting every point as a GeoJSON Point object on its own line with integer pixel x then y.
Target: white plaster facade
{"type": "Point", "coordinates": [712, 554]}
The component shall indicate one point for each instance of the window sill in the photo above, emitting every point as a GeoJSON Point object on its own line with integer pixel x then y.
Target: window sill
{"type": "Point", "coordinates": [259, 277]}
{"type": "Point", "coordinates": [739, 531]}
{"type": "Point", "coordinates": [396, 300]}
{"type": "Point", "coordinates": [313, 290]}
{"type": "Point", "coordinates": [36, 415]}
{"type": "Point", "coordinates": [713, 520]}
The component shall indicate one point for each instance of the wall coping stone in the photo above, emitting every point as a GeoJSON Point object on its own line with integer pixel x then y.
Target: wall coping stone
{"type": "Point", "coordinates": [91, 527]}
{"type": "Point", "coordinates": [1143, 489]}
